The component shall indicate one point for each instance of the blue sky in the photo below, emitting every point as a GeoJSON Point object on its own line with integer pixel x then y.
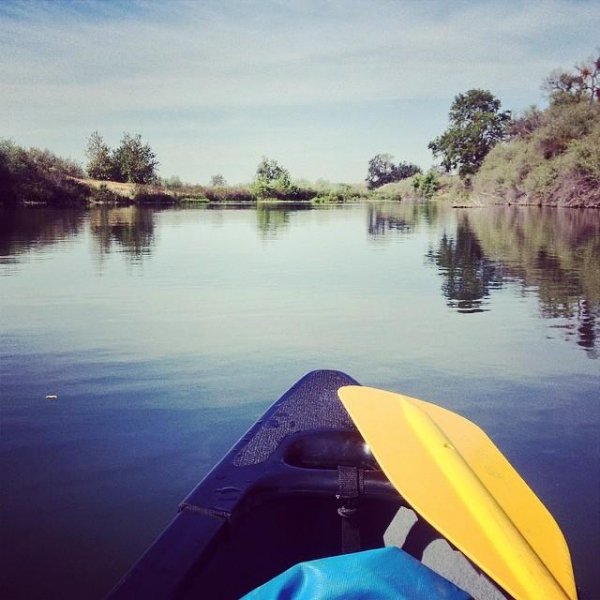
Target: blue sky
{"type": "Point", "coordinates": [319, 86]}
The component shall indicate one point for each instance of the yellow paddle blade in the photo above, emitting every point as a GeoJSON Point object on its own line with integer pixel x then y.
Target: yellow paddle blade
{"type": "Point", "coordinates": [452, 474]}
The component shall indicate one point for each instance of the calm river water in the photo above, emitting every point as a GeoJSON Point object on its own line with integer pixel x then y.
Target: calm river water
{"type": "Point", "coordinates": [165, 334]}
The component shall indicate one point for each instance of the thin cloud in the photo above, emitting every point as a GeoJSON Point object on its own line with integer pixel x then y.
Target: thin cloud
{"type": "Point", "coordinates": [96, 63]}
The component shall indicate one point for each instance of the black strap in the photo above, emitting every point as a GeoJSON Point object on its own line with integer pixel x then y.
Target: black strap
{"type": "Point", "coordinates": [350, 486]}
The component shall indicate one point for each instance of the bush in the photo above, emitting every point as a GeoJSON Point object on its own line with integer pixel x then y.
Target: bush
{"type": "Point", "coordinates": [425, 186]}
{"type": "Point", "coordinates": [38, 176]}
{"type": "Point", "coordinates": [557, 162]}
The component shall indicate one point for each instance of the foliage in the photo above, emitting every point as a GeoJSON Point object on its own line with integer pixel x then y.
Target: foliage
{"type": "Point", "coordinates": [583, 83]}
{"type": "Point", "coordinates": [556, 163]}
{"type": "Point", "coordinates": [426, 185]}
{"type": "Point", "coordinates": [38, 176]}
{"type": "Point", "coordinates": [382, 170]}
{"type": "Point", "coordinates": [476, 126]}
{"type": "Point", "coordinates": [339, 193]}
{"type": "Point", "coordinates": [525, 124]}
{"type": "Point", "coordinates": [218, 181]}
{"type": "Point", "coordinates": [133, 161]}
{"type": "Point", "coordinates": [272, 181]}
{"type": "Point", "coordinates": [100, 162]}
{"type": "Point", "coordinates": [272, 173]}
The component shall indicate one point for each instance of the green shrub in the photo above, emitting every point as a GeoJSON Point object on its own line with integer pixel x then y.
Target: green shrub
{"type": "Point", "coordinates": [584, 155]}
{"type": "Point", "coordinates": [565, 123]}
{"type": "Point", "coordinates": [425, 186]}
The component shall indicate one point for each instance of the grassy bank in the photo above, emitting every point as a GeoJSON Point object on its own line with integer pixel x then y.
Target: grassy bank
{"type": "Point", "coordinates": [433, 185]}
{"type": "Point", "coordinates": [552, 159]}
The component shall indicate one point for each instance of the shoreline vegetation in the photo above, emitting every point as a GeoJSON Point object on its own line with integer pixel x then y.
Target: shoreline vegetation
{"type": "Point", "coordinates": [542, 157]}
{"type": "Point", "coordinates": [165, 193]}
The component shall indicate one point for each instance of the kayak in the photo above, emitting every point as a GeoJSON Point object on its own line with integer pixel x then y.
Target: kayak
{"type": "Point", "coordinates": [328, 477]}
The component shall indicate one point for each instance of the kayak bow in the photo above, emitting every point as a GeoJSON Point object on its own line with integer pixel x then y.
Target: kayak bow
{"type": "Point", "coordinates": [317, 477]}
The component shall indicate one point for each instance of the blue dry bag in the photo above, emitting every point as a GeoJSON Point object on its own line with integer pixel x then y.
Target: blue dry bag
{"type": "Point", "coordinates": [385, 574]}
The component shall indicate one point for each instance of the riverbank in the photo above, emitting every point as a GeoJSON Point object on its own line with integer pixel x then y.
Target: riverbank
{"type": "Point", "coordinates": [551, 159]}
{"type": "Point", "coordinates": [41, 178]}
{"type": "Point", "coordinates": [108, 192]}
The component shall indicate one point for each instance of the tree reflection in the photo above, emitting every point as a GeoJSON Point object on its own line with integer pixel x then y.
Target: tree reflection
{"type": "Point", "coordinates": [468, 274]}
{"type": "Point", "coordinates": [271, 220]}
{"type": "Point", "coordinates": [25, 229]}
{"type": "Point", "coordinates": [589, 328]}
{"type": "Point", "coordinates": [553, 252]}
{"type": "Point", "coordinates": [400, 218]}
{"type": "Point", "coordinates": [381, 222]}
{"type": "Point", "coordinates": [130, 228]}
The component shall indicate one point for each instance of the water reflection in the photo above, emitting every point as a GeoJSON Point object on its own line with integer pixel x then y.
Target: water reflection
{"type": "Point", "coordinates": [551, 253]}
{"type": "Point", "coordinates": [467, 272]}
{"type": "Point", "coordinates": [272, 220]}
{"type": "Point", "coordinates": [23, 230]}
{"type": "Point", "coordinates": [130, 228]}
{"type": "Point", "coordinates": [384, 219]}
{"type": "Point", "coordinates": [400, 218]}
{"type": "Point", "coordinates": [557, 253]}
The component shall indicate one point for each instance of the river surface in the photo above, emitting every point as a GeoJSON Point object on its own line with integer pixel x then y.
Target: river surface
{"type": "Point", "coordinates": [165, 334]}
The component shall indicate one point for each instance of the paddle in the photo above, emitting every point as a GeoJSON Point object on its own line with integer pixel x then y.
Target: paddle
{"type": "Point", "coordinates": [452, 474]}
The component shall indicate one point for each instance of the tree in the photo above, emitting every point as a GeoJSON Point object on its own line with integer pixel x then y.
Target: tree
{"type": "Point", "coordinates": [134, 161]}
{"type": "Point", "coordinates": [582, 84]}
{"type": "Point", "coordinates": [404, 170]}
{"type": "Point", "coordinates": [273, 181]}
{"type": "Point", "coordinates": [218, 181]}
{"type": "Point", "coordinates": [476, 126]}
{"type": "Point", "coordinates": [382, 170]}
{"type": "Point", "coordinates": [270, 173]}
{"type": "Point", "coordinates": [100, 163]}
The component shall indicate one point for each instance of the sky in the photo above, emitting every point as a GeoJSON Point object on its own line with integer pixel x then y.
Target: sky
{"type": "Point", "coordinates": [321, 87]}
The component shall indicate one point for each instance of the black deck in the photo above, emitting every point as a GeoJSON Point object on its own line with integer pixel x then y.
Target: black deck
{"type": "Point", "coordinates": [274, 500]}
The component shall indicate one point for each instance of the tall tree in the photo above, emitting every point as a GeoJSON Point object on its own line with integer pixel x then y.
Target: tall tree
{"type": "Point", "coordinates": [269, 172]}
{"type": "Point", "coordinates": [476, 126]}
{"type": "Point", "coordinates": [382, 170]}
{"type": "Point", "coordinates": [272, 180]}
{"type": "Point", "coordinates": [100, 162]}
{"type": "Point", "coordinates": [218, 181]}
{"type": "Point", "coordinates": [135, 161]}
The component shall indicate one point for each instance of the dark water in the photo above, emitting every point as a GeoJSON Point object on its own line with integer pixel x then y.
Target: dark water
{"type": "Point", "coordinates": [164, 335]}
